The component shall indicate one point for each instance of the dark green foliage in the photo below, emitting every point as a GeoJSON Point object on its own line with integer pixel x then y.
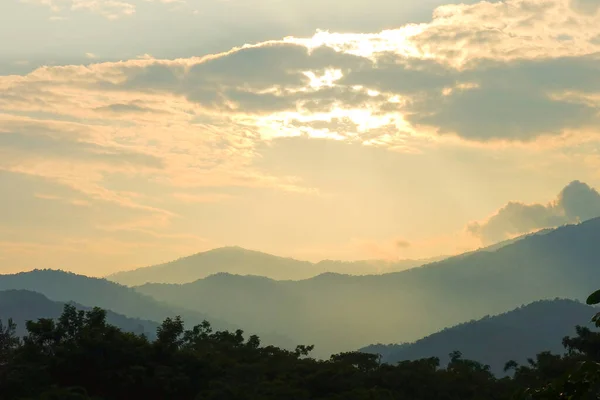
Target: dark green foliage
{"type": "Point", "coordinates": [25, 305]}
{"type": "Point", "coordinates": [594, 298]}
{"type": "Point", "coordinates": [64, 286]}
{"type": "Point", "coordinates": [80, 356]}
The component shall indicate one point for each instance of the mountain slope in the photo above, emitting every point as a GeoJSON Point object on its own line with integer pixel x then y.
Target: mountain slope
{"type": "Point", "coordinates": [63, 286]}
{"type": "Point", "coordinates": [340, 312]}
{"type": "Point", "coordinates": [236, 260]}
{"type": "Point", "coordinates": [515, 335]}
{"type": "Point", "coordinates": [24, 305]}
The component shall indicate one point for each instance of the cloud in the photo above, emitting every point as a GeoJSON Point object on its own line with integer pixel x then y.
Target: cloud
{"type": "Point", "coordinates": [391, 109]}
{"type": "Point", "coordinates": [202, 198]}
{"type": "Point", "coordinates": [200, 121]}
{"type": "Point", "coordinates": [72, 201]}
{"type": "Point", "coordinates": [576, 202]}
{"type": "Point", "coordinates": [128, 108]}
{"type": "Point", "coordinates": [515, 101]}
{"type": "Point", "coordinates": [506, 79]}
{"type": "Point", "coordinates": [579, 202]}
{"type": "Point", "coordinates": [110, 9]}
{"type": "Point", "coordinates": [29, 141]}
{"type": "Point", "coordinates": [402, 244]}
{"type": "Point", "coordinates": [586, 7]}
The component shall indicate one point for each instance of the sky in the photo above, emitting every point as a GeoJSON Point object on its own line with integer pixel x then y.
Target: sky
{"type": "Point", "coordinates": [134, 132]}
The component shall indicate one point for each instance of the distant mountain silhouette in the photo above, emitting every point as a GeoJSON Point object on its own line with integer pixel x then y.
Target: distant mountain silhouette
{"type": "Point", "coordinates": [24, 305]}
{"type": "Point", "coordinates": [340, 312]}
{"type": "Point", "coordinates": [515, 335]}
{"type": "Point", "coordinates": [236, 260]}
{"type": "Point", "coordinates": [504, 243]}
{"type": "Point", "coordinates": [65, 287]}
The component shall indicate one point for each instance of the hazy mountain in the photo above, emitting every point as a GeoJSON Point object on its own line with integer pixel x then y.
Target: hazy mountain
{"type": "Point", "coordinates": [340, 312]}
{"type": "Point", "coordinates": [504, 243]}
{"type": "Point", "coordinates": [236, 260]}
{"type": "Point", "coordinates": [239, 261]}
{"type": "Point", "coordinates": [24, 305]}
{"type": "Point", "coordinates": [65, 287]}
{"type": "Point", "coordinates": [515, 335]}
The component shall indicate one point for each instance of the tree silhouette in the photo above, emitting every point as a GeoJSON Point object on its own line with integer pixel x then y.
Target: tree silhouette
{"type": "Point", "coordinates": [80, 356]}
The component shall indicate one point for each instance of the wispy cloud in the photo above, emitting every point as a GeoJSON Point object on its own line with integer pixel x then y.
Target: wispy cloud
{"type": "Point", "coordinates": [157, 136]}
{"type": "Point", "coordinates": [111, 9]}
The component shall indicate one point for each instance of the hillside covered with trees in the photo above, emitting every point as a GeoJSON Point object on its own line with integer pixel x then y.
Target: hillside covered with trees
{"type": "Point", "coordinates": [517, 335]}
{"type": "Point", "coordinates": [81, 356]}
{"type": "Point", "coordinates": [24, 305]}
{"type": "Point", "coordinates": [340, 312]}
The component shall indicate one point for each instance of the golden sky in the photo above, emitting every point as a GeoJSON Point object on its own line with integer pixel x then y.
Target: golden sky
{"type": "Point", "coordinates": [136, 132]}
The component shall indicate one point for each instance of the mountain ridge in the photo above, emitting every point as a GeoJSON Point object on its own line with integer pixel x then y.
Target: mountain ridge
{"type": "Point", "coordinates": [343, 312]}
{"type": "Point", "coordinates": [65, 286]}
{"type": "Point", "coordinates": [240, 261]}
{"type": "Point", "coordinates": [25, 305]}
{"type": "Point", "coordinates": [188, 269]}
{"type": "Point", "coordinates": [494, 340]}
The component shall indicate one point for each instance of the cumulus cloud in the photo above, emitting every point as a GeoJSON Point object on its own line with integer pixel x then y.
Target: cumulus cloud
{"type": "Point", "coordinates": [576, 202]}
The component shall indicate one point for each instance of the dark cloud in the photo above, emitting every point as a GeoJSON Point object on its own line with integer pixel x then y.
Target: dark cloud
{"type": "Point", "coordinates": [153, 77]}
{"type": "Point", "coordinates": [488, 100]}
{"type": "Point", "coordinates": [127, 108]}
{"type": "Point", "coordinates": [259, 79]}
{"type": "Point", "coordinates": [513, 101]}
{"type": "Point", "coordinates": [396, 74]}
{"type": "Point", "coordinates": [500, 113]}
{"type": "Point", "coordinates": [576, 202]}
{"type": "Point", "coordinates": [580, 73]}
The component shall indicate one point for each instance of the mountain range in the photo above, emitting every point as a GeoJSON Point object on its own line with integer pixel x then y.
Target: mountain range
{"type": "Point", "coordinates": [24, 305]}
{"type": "Point", "coordinates": [339, 312]}
{"type": "Point", "coordinates": [516, 335]}
{"type": "Point", "coordinates": [239, 261]}
{"type": "Point", "coordinates": [68, 287]}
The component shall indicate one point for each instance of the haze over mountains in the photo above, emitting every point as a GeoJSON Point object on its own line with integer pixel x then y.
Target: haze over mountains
{"type": "Point", "coordinates": [236, 260]}
{"type": "Point", "coordinates": [340, 312]}
{"type": "Point", "coordinates": [66, 287]}
{"type": "Point", "coordinates": [493, 340]}
{"type": "Point", "coordinates": [24, 305]}
{"type": "Point", "coordinates": [239, 261]}
{"type": "Point", "coordinates": [447, 151]}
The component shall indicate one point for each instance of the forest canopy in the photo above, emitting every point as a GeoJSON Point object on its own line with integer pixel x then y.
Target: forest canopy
{"type": "Point", "coordinates": [81, 356]}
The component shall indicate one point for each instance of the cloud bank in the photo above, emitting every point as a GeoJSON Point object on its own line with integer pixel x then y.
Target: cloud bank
{"type": "Point", "coordinates": [576, 202]}
{"type": "Point", "coordinates": [164, 143]}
